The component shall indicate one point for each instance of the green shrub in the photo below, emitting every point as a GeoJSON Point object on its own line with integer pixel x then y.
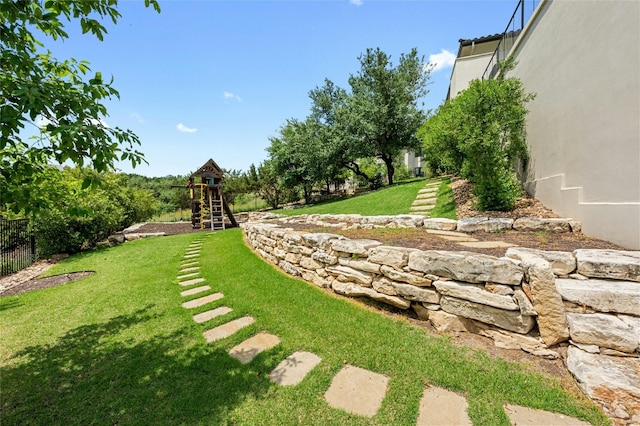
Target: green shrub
{"type": "Point", "coordinates": [480, 134]}
{"type": "Point", "coordinates": [86, 214]}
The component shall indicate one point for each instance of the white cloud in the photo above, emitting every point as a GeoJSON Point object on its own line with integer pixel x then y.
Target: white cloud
{"type": "Point", "coordinates": [356, 2]}
{"type": "Point", "coordinates": [442, 60]}
{"type": "Point", "coordinates": [185, 129]}
{"type": "Point", "coordinates": [228, 96]}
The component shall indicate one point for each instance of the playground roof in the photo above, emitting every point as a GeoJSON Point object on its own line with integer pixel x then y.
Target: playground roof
{"type": "Point", "coordinates": [209, 170]}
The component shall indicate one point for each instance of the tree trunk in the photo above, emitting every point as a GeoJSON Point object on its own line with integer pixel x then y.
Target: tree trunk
{"type": "Point", "coordinates": [356, 169]}
{"type": "Point", "coordinates": [388, 161]}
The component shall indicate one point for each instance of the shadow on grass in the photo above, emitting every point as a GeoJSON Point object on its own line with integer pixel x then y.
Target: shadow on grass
{"type": "Point", "coordinates": [88, 377]}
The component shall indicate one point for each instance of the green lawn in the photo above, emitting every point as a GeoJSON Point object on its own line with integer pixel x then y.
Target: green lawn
{"type": "Point", "coordinates": [392, 200]}
{"type": "Point", "coordinates": [117, 348]}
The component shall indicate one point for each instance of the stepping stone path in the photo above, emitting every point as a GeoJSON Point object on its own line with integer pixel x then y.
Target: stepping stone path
{"type": "Point", "coordinates": [523, 416]}
{"type": "Point", "coordinates": [196, 303]}
{"type": "Point", "coordinates": [191, 282]}
{"type": "Point", "coordinates": [208, 315]}
{"type": "Point", "coordinates": [450, 408]}
{"type": "Point", "coordinates": [426, 198]}
{"type": "Point", "coordinates": [250, 348]}
{"type": "Point", "coordinates": [357, 391]}
{"type": "Point", "coordinates": [353, 389]}
{"type": "Point", "coordinates": [423, 204]}
{"type": "Point", "coordinates": [185, 276]}
{"type": "Point", "coordinates": [227, 329]}
{"type": "Point", "coordinates": [195, 290]}
{"type": "Point", "coordinates": [294, 368]}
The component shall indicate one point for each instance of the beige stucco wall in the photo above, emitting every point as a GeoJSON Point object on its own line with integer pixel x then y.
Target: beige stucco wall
{"type": "Point", "coordinates": [582, 59]}
{"type": "Point", "coordinates": [465, 70]}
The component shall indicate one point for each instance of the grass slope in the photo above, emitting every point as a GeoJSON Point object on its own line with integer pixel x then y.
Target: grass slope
{"type": "Point", "coordinates": [117, 348]}
{"type": "Point", "coordinates": [393, 200]}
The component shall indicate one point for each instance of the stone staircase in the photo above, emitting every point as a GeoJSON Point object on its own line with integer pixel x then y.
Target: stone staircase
{"type": "Point", "coordinates": [426, 199]}
{"type": "Point", "coordinates": [353, 389]}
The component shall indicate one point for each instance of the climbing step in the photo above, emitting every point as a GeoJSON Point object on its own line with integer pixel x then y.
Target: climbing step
{"type": "Point", "coordinates": [190, 269]}
{"type": "Point", "coordinates": [195, 290]}
{"type": "Point", "coordinates": [357, 391]}
{"type": "Point", "coordinates": [213, 313]}
{"type": "Point", "coordinates": [250, 348]}
{"type": "Point", "coordinates": [424, 201]}
{"type": "Point", "coordinates": [425, 195]}
{"type": "Point", "coordinates": [523, 416]}
{"type": "Point", "coordinates": [442, 407]}
{"type": "Point", "coordinates": [227, 329]}
{"type": "Point", "coordinates": [427, 191]}
{"type": "Point", "coordinates": [426, 208]}
{"type": "Point", "coordinates": [195, 303]}
{"type": "Point", "coordinates": [294, 368]}
{"type": "Point", "coordinates": [185, 276]}
{"type": "Point", "coordinates": [191, 282]}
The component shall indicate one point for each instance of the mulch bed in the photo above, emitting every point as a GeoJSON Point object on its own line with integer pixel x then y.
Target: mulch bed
{"type": "Point", "coordinates": [40, 283]}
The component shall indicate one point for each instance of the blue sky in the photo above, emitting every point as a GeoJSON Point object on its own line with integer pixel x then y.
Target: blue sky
{"type": "Point", "coordinates": [216, 79]}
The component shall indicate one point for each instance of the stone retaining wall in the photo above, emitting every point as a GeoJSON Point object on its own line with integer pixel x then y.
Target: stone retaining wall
{"type": "Point", "coordinates": [475, 224]}
{"type": "Point", "coordinates": [591, 297]}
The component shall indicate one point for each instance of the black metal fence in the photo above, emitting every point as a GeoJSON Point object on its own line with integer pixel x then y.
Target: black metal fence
{"type": "Point", "coordinates": [519, 19]}
{"type": "Point", "coordinates": [18, 246]}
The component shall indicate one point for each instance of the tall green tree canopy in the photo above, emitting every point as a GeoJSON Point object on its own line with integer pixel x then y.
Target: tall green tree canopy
{"type": "Point", "coordinates": [64, 96]}
{"type": "Point", "coordinates": [382, 114]}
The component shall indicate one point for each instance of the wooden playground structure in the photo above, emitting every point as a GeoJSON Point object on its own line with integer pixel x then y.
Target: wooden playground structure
{"type": "Point", "coordinates": [207, 199]}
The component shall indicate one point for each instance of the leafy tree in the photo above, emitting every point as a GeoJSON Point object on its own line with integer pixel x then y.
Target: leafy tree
{"type": "Point", "coordinates": [62, 96]}
{"type": "Point", "coordinates": [268, 184]}
{"type": "Point", "coordinates": [382, 115]}
{"type": "Point", "coordinates": [234, 185]}
{"type": "Point", "coordinates": [296, 155]}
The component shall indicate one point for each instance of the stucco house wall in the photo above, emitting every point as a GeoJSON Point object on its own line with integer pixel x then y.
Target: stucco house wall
{"type": "Point", "coordinates": [582, 59]}
{"type": "Point", "coordinates": [467, 69]}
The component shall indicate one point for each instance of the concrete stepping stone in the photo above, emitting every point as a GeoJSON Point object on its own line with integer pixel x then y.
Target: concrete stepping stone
{"type": "Point", "coordinates": [195, 303]}
{"type": "Point", "coordinates": [487, 244]}
{"type": "Point", "coordinates": [195, 290]}
{"type": "Point", "coordinates": [185, 276]}
{"type": "Point", "coordinates": [189, 252]}
{"type": "Point", "coordinates": [357, 391]}
{"type": "Point", "coordinates": [250, 348]}
{"type": "Point", "coordinates": [423, 202]}
{"type": "Point", "coordinates": [523, 416]}
{"type": "Point", "coordinates": [190, 268]}
{"type": "Point", "coordinates": [294, 368]}
{"type": "Point", "coordinates": [422, 196]}
{"type": "Point", "coordinates": [227, 329]}
{"type": "Point", "coordinates": [190, 256]}
{"type": "Point", "coordinates": [213, 313]}
{"type": "Point", "coordinates": [191, 282]}
{"type": "Point", "coordinates": [442, 407]}
{"type": "Point", "coordinates": [427, 208]}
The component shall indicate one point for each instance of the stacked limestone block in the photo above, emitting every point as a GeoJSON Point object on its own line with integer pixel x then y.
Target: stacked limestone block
{"type": "Point", "coordinates": [464, 284]}
{"type": "Point", "coordinates": [588, 298]}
